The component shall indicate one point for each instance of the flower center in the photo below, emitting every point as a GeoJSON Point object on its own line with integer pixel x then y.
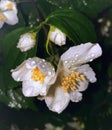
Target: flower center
{"type": "Point", "coordinates": [70, 82]}
{"type": "Point", "coordinates": [9, 6]}
{"type": "Point", "coordinates": [37, 75]}
{"type": "Point", "coordinates": [2, 18]}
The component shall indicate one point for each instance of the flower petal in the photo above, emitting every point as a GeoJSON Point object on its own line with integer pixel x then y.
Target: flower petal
{"type": "Point", "coordinates": [82, 85]}
{"type": "Point", "coordinates": [31, 88]}
{"type": "Point", "coordinates": [11, 16]}
{"type": "Point", "coordinates": [19, 73]}
{"type": "Point", "coordinates": [81, 54]}
{"type": "Point", "coordinates": [59, 101]}
{"type": "Point", "coordinates": [88, 72]}
{"type": "Point", "coordinates": [75, 96]}
{"type": "Point", "coordinates": [57, 36]}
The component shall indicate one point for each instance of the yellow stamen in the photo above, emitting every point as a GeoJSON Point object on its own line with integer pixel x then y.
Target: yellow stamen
{"type": "Point", "coordinates": [37, 75]}
{"type": "Point", "coordinates": [70, 82]}
{"type": "Point", "coordinates": [2, 18]}
{"type": "Point", "coordinates": [9, 6]}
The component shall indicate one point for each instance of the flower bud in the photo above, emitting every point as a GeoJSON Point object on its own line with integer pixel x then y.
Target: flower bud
{"type": "Point", "coordinates": [57, 37]}
{"type": "Point", "coordinates": [26, 41]}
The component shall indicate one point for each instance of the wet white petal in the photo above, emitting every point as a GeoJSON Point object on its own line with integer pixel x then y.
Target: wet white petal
{"type": "Point", "coordinates": [57, 37]}
{"type": "Point", "coordinates": [26, 41]}
{"type": "Point", "coordinates": [81, 54]}
{"type": "Point", "coordinates": [11, 16]}
{"type": "Point", "coordinates": [82, 86]}
{"type": "Point", "coordinates": [88, 72]}
{"type": "Point", "coordinates": [31, 88]}
{"type": "Point", "coordinates": [19, 73]}
{"type": "Point", "coordinates": [75, 96]}
{"type": "Point", "coordinates": [59, 101]}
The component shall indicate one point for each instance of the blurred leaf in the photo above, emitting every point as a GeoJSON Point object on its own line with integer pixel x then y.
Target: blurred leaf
{"type": "Point", "coordinates": [75, 25]}
{"type": "Point", "coordinates": [90, 8]}
{"type": "Point", "coordinates": [45, 7]}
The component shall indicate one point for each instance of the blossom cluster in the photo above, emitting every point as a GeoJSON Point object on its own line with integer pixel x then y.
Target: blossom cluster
{"type": "Point", "coordinates": [57, 87]}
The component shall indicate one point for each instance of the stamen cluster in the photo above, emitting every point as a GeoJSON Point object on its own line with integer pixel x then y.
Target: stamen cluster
{"type": "Point", "coordinates": [37, 75]}
{"type": "Point", "coordinates": [70, 82]}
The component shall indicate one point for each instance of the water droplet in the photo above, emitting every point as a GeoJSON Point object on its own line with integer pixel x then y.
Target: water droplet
{"type": "Point", "coordinates": [53, 69]}
{"type": "Point", "coordinates": [12, 70]}
{"type": "Point", "coordinates": [43, 60]}
{"type": "Point", "coordinates": [76, 55]}
{"type": "Point", "coordinates": [66, 61]}
{"type": "Point", "coordinates": [18, 79]}
{"type": "Point", "coordinates": [91, 79]}
{"type": "Point", "coordinates": [33, 63]}
{"type": "Point", "coordinates": [49, 72]}
{"type": "Point", "coordinates": [91, 60]}
{"type": "Point", "coordinates": [85, 72]}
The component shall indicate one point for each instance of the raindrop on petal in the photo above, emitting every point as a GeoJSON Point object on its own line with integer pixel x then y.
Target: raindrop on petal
{"type": "Point", "coordinates": [33, 63]}
{"type": "Point", "coordinates": [66, 61]}
{"type": "Point", "coordinates": [18, 79]}
{"type": "Point", "coordinates": [49, 72]}
{"type": "Point", "coordinates": [76, 55]}
{"type": "Point", "coordinates": [85, 72]}
{"type": "Point", "coordinates": [91, 60]}
{"type": "Point", "coordinates": [43, 60]}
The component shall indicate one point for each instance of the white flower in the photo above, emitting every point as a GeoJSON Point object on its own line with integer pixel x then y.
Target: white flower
{"type": "Point", "coordinates": [36, 75]}
{"type": "Point", "coordinates": [8, 5]}
{"type": "Point", "coordinates": [8, 13]}
{"type": "Point", "coordinates": [56, 36]}
{"type": "Point", "coordinates": [72, 76]}
{"type": "Point", "coordinates": [26, 41]}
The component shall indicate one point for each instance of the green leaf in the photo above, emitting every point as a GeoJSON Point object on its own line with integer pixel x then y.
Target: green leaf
{"type": "Point", "coordinates": [74, 24]}
{"type": "Point", "coordinates": [90, 8]}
